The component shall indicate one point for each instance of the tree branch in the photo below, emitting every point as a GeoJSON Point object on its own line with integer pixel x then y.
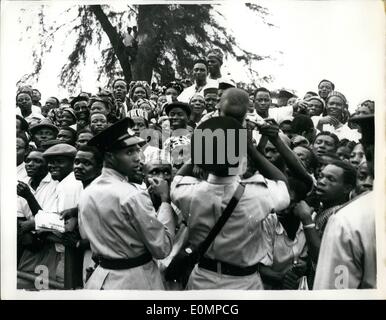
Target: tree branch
{"type": "Point", "coordinates": [115, 41]}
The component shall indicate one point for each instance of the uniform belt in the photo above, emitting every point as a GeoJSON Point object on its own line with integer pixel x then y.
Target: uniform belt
{"type": "Point", "coordinates": [120, 264]}
{"type": "Point", "coordinates": [226, 268]}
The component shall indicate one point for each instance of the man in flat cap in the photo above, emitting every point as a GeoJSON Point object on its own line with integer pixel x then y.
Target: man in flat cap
{"type": "Point", "coordinates": [119, 219]}
{"type": "Point", "coordinates": [347, 257]}
{"type": "Point", "coordinates": [231, 261]}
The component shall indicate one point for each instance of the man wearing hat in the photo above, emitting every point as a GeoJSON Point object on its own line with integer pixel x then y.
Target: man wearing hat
{"type": "Point", "coordinates": [214, 59]}
{"type": "Point", "coordinates": [231, 261]}
{"type": "Point", "coordinates": [118, 217]}
{"type": "Point", "coordinates": [200, 73]}
{"type": "Point", "coordinates": [43, 131]}
{"type": "Point", "coordinates": [347, 258]}
{"type": "Point", "coordinates": [59, 159]}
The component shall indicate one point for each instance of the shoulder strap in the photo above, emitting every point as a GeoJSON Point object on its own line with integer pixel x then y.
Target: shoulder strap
{"type": "Point", "coordinates": [222, 220]}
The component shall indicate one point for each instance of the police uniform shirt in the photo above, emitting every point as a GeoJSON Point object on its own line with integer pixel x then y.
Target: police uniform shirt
{"type": "Point", "coordinates": [119, 220]}
{"type": "Point", "coordinates": [202, 203]}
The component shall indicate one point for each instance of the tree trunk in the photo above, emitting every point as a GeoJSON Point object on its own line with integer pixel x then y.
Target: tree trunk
{"type": "Point", "coordinates": [148, 49]}
{"type": "Point", "coordinates": [115, 40]}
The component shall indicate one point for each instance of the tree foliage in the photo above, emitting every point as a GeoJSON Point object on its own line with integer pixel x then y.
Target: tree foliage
{"type": "Point", "coordinates": [170, 38]}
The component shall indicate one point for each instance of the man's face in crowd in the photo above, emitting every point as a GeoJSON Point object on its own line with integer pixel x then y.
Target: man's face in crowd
{"type": "Point", "coordinates": [81, 110]}
{"type": "Point", "coordinates": [198, 104]}
{"type": "Point", "coordinates": [271, 153]}
{"type": "Point", "coordinates": [178, 118]}
{"type": "Point", "coordinates": [330, 185]}
{"type": "Point", "coordinates": [99, 107]}
{"type": "Point", "coordinates": [83, 138]}
{"type": "Point", "coordinates": [24, 102]}
{"type": "Point", "coordinates": [363, 111]}
{"type": "Point", "coordinates": [98, 122]}
{"type": "Point", "coordinates": [36, 96]}
{"type": "Point", "coordinates": [324, 88]}
{"type": "Point", "coordinates": [139, 93]}
{"type": "Point", "coordinates": [262, 101]}
{"type": "Point", "coordinates": [66, 119]}
{"type": "Point", "coordinates": [43, 134]}
{"type": "Point", "coordinates": [315, 107]}
{"type": "Point", "coordinates": [213, 64]}
{"type": "Point", "coordinates": [60, 166]}
{"type": "Point", "coordinates": [364, 179]}
{"type": "Point", "coordinates": [304, 155]}
{"type": "Point", "coordinates": [335, 107]}
{"type": "Point", "coordinates": [357, 155]}
{"type": "Point", "coordinates": [120, 90]}
{"type": "Point", "coordinates": [66, 136]}
{"type": "Point", "coordinates": [211, 100]}
{"type": "Point", "coordinates": [36, 165]}
{"type": "Point", "coordinates": [200, 72]}
{"type": "Point", "coordinates": [139, 125]}
{"type": "Point", "coordinates": [161, 101]}
{"type": "Point", "coordinates": [51, 103]}
{"type": "Point", "coordinates": [369, 104]}
{"type": "Point", "coordinates": [171, 92]}
{"type": "Point", "coordinates": [343, 153]}
{"type": "Point", "coordinates": [21, 150]}
{"type": "Point", "coordinates": [154, 169]}
{"type": "Point", "coordinates": [85, 166]}
{"type": "Point", "coordinates": [127, 161]}
{"type": "Point", "coordinates": [324, 144]}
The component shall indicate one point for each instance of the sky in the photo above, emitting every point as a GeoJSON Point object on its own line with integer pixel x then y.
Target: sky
{"type": "Point", "coordinates": [311, 40]}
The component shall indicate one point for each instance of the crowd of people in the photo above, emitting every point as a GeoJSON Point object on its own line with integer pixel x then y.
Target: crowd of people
{"type": "Point", "coordinates": [119, 171]}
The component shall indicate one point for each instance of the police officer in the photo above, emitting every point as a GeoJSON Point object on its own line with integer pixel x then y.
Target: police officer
{"type": "Point", "coordinates": [118, 217]}
{"type": "Point", "coordinates": [231, 262]}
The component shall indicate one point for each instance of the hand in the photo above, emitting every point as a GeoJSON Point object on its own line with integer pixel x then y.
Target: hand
{"type": "Point", "coordinates": [26, 226]}
{"type": "Point", "coordinates": [70, 239]}
{"type": "Point", "coordinates": [161, 188]}
{"type": "Point", "coordinates": [300, 268]}
{"type": "Point", "coordinates": [271, 131]}
{"type": "Point", "coordinates": [304, 212]}
{"type": "Point", "coordinates": [290, 280]}
{"type": "Point", "coordinates": [329, 120]}
{"type": "Point", "coordinates": [68, 214]}
{"type": "Point", "coordinates": [23, 190]}
{"type": "Point", "coordinates": [70, 224]}
{"type": "Point", "coordinates": [300, 105]}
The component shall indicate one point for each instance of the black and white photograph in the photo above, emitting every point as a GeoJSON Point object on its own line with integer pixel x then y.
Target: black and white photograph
{"type": "Point", "coordinates": [199, 149]}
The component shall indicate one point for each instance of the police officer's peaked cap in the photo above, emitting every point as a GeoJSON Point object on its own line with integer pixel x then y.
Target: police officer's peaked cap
{"type": "Point", "coordinates": [366, 122]}
{"type": "Point", "coordinates": [178, 104]}
{"type": "Point", "coordinates": [60, 149]}
{"type": "Point", "coordinates": [117, 136]}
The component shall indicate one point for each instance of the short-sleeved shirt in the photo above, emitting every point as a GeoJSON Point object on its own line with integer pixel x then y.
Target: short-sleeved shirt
{"type": "Point", "coordinates": [202, 203]}
{"type": "Point", "coordinates": [283, 251]}
{"type": "Point", "coordinates": [189, 92]}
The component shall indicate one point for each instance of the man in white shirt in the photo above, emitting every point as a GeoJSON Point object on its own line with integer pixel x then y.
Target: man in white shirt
{"type": "Point", "coordinates": [200, 73]}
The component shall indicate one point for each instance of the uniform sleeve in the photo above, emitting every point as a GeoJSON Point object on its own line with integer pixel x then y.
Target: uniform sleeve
{"type": "Point", "coordinates": [157, 236]}
{"type": "Point", "coordinates": [339, 258]}
{"type": "Point", "coordinates": [279, 194]}
{"type": "Point", "coordinates": [181, 193]}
